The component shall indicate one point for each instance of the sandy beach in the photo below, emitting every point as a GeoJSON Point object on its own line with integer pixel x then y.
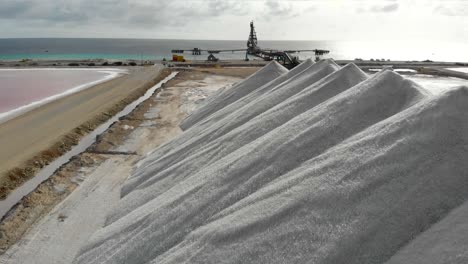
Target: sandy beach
{"type": "Point", "coordinates": [32, 140]}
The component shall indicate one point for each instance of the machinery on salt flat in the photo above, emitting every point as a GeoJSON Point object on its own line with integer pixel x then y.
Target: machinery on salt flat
{"type": "Point", "coordinates": [282, 56]}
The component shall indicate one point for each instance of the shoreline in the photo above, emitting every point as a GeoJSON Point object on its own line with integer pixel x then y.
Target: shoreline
{"type": "Point", "coordinates": [36, 138]}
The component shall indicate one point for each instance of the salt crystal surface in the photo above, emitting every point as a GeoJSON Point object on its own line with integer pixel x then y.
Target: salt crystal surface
{"type": "Point", "coordinates": [190, 140]}
{"type": "Point", "coordinates": [338, 169]}
{"type": "Point", "coordinates": [271, 71]}
{"type": "Point", "coordinates": [444, 242]}
{"type": "Point", "coordinates": [247, 98]}
{"type": "Point", "coordinates": [276, 116]}
{"type": "Point", "coordinates": [258, 105]}
{"type": "Point", "coordinates": [437, 84]}
{"type": "Point", "coordinates": [308, 67]}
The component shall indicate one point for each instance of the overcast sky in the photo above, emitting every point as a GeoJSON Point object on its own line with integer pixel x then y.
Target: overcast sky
{"type": "Point", "coordinates": [225, 19]}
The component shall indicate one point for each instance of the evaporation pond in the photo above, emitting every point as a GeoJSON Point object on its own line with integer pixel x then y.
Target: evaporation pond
{"type": "Point", "coordinates": [21, 87]}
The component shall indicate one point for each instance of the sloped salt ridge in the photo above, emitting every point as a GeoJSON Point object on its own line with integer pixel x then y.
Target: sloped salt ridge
{"type": "Point", "coordinates": [252, 94]}
{"type": "Point", "coordinates": [205, 123]}
{"type": "Point", "coordinates": [311, 96]}
{"type": "Point", "coordinates": [332, 216]}
{"type": "Point", "coordinates": [359, 202]}
{"type": "Point", "coordinates": [245, 87]}
{"type": "Point", "coordinates": [444, 242]}
{"type": "Point", "coordinates": [278, 82]}
{"type": "Point", "coordinates": [196, 139]}
{"type": "Point", "coordinates": [359, 196]}
{"type": "Point", "coordinates": [264, 75]}
{"type": "Point", "coordinates": [256, 92]}
{"type": "Point", "coordinates": [210, 152]}
{"type": "Point", "coordinates": [354, 192]}
{"type": "Point", "coordinates": [304, 136]}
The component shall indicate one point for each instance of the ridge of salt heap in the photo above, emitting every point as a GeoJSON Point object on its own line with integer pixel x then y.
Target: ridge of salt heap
{"type": "Point", "coordinates": [198, 131]}
{"type": "Point", "coordinates": [444, 242]}
{"type": "Point", "coordinates": [212, 151]}
{"type": "Point", "coordinates": [349, 181]}
{"type": "Point", "coordinates": [258, 92]}
{"type": "Point", "coordinates": [358, 202]}
{"type": "Point", "coordinates": [194, 138]}
{"type": "Point", "coordinates": [271, 71]}
{"type": "Point", "coordinates": [297, 79]}
{"type": "Point", "coordinates": [254, 92]}
{"type": "Point", "coordinates": [298, 103]}
{"type": "Point", "coordinates": [302, 136]}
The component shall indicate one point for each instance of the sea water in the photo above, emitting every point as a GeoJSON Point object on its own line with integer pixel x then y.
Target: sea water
{"type": "Point", "coordinates": [157, 49]}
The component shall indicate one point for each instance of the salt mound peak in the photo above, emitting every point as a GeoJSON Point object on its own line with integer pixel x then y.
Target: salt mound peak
{"type": "Point", "coordinates": [196, 138]}
{"type": "Point", "coordinates": [278, 82]}
{"type": "Point", "coordinates": [296, 70]}
{"type": "Point", "coordinates": [221, 113]}
{"type": "Point", "coordinates": [460, 92]}
{"type": "Point", "coordinates": [213, 150]}
{"type": "Point", "coordinates": [381, 87]}
{"type": "Point", "coordinates": [278, 94]}
{"type": "Point", "coordinates": [301, 67]}
{"type": "Point", "coordinates": [271, 71]}
{"type": "Point", "coordinates": [203, 127]}
{"type": "Point", "coordinates": [217, 115]}
{"type": "Point", "coordinates": [444, 242]}
{"type": "Point", "coordinates": [333, 207]}
{"type": "Point", "coordinates": [352, 179]}
{"type": "Point", "coordinates": [392, 85]}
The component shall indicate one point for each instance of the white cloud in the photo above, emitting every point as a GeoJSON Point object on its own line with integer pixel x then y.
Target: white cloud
{"type": "Point", "coordinates": [228, 19]}
{"type": "Point", "coordinates": [453, 9]}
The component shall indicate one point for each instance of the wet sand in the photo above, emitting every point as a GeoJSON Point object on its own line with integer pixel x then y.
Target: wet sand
{"type": "Point", "coordinates": [34, 139]}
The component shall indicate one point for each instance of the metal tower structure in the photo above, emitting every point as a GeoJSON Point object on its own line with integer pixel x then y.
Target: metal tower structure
{"type": "Point", "coordinates": [282, 56]}
{"type": "Point", "coordinates": [252, 42]}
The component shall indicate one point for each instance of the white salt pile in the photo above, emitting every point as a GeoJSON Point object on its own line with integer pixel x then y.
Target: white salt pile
{"type": "Point", "coordinates": [199, 136]}
{"type": "Point", "coordinates": [325, 165]}
{"type": "Point", "coordinates": [444, 242]}
{"type": "Point", "coordinates": [269, 72]}
{"type": "Point", "coordinates": [246, 98]}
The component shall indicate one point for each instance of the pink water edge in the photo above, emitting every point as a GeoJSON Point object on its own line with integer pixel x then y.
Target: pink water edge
{"type": "Point", "coordinates": [24, 89]}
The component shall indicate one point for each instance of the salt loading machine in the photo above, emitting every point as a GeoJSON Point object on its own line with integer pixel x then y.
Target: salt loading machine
{"type": "Point", "coordinates": [282, 56]}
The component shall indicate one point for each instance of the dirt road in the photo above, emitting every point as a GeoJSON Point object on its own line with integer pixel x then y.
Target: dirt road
{"type": "Point", "coordinates": [31, 134]}
{"type": "Point", "coordinates": [53, 222]}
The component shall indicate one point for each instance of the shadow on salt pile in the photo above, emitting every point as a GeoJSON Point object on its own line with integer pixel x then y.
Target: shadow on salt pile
{"type": "Point", "coordinates": [194, 138]}
{"type": "Point", "coordinates": [353, 178]}
{"type": "Point", "coordinates": [269, 72]}
{"type": "Point", "coordinates": [257, 92]}
{"type": "Point", "coordinates": [253, 129]}
{"type": "Point", "coordinates": [298, 139]}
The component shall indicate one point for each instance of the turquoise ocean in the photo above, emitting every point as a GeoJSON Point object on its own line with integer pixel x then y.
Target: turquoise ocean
{"type": "Point", "coordinates": [155, 49]}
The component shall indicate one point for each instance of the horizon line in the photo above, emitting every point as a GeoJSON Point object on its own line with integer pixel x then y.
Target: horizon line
{"type": "Point", "coordinates": [2, 38]}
